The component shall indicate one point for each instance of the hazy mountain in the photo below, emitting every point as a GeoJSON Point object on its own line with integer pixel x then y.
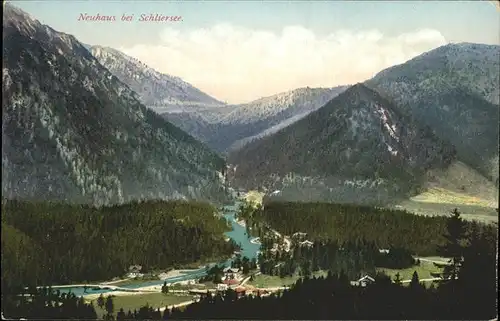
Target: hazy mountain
{"type": "Point", "coordinates": [359, 147]}
{"type": "Point", "coordinates": [73, 131]}
{"type": "Point", "coordinates": [455, 90]}
{"type": "Point", "coordinates": [222, 127]}
{"type": "Point", "coordinates": [156, 90]}
{"type": "Point", "coordinates": [233, 126]}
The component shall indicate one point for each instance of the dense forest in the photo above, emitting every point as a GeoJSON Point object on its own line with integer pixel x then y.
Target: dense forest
{"type": "Point", "coordinates": [355, 260]}
{"type": "Point", "coordinates": [386, 228]}
{"type": "Point", "coordinates": [468, 291]}
{"type": "Point", "coordinates": [55, 243]}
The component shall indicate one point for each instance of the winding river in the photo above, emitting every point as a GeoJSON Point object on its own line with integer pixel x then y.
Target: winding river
{"type": "Point", "coordinates": [238, 234]}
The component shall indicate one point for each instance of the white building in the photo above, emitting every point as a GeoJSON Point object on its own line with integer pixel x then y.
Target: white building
{"type": "Point", "coordinates": [134, 275]}
{"type": "Point", "coordinates": [222, 287]}
{"type": "Point", "coordinates": [364, 281]}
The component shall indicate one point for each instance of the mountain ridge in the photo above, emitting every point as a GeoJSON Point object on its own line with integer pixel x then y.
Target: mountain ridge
{"type": "Point", "coordinates": [72, 131]}
{"type": "Point", "coordinates": [229, 128]}
{"type": "Point", "coordinates": [155, 89]}
{"type": "Point", "coordinates": [357, 138]}
{"type": "Point", "coordinates": [453, 89]}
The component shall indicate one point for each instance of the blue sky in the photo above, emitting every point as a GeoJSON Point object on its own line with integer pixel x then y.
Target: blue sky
{"type": "Point", "coordinates": [396, 31]}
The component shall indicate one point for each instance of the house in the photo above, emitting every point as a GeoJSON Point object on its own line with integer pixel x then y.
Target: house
{"type": "Point", "coordinates": [306, 243]}
{"type": "Point", "coordinates": [222, 287]}
{"type": "Point", "coordinates": [135, 268]}
{"type": "Point", "coordinates": [240, 291]}
{"type": "Point", "coordinates": [231, 281]}
{"type": "Point", "coordinates": [364, 281]}
{"type": "Point", "coordinates": [134, 275]}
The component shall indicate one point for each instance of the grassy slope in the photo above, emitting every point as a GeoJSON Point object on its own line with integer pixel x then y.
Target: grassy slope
{"type": "Point", "coordinates": [458, 186]}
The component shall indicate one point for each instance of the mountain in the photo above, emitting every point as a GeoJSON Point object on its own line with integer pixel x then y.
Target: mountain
{"type": "Point", "coordinates": [222, 127]}
{"type": "Point", "coordinates": [72, 131]}
{"type": "Point", "coordinates": [156, 90]}
{"type": "Point", "coordinates": [454, 89]}
{"type": "Point", "coordinates": [231, 127]}
{"type": "Point", "coordinates": [359, 147]}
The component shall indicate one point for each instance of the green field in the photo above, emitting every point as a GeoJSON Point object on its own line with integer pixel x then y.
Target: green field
{"type": "Point", "coordinates": [268, 281]}
{"type": "Point", "coordinates": [131, 302]}
{"type": "Point", "coordinates": [424, 271]}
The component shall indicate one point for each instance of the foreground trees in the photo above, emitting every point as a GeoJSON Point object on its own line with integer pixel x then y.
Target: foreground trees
{"type": "Point", "coordinates": [46, 304]}
{"type": "Point", "coordinates": [472, 295]}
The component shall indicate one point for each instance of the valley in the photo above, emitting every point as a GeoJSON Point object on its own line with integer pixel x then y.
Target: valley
{"type": "Point", "coordinates": [130, 193]}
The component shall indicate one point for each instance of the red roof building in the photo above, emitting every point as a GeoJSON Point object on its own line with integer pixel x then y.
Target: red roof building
{"type": "Point", "coordinates": [231, 281]}
{"type": "Point", "coordinates": [240, 289]}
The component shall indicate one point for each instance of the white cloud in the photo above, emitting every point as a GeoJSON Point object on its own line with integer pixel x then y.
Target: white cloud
{"type": "Point", "coordinates": [238, 64]}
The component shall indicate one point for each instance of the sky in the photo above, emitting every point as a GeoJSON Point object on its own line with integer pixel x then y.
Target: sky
{"type": "Point", "coordinates": [239, 51]}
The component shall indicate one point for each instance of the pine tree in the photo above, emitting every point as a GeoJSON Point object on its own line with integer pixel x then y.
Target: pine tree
{"type": "Point", "coordinates": [415, 281]}
{"type": "Point", "coordinates": [397, 279]}
{"type": "Point", "coordinates": [120, 315]}
{"type": "Point", "coordinates": [453, 248]}
{"type": "Point", "coordinates": [166, 313]}
{"type": "Point", "coordinates": [100, 301]}
{"type": "Point", "coordinates": [110, 308]}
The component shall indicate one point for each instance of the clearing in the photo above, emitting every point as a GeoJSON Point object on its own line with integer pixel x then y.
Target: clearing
{"type": "Point", "coordinates": [131, 302]}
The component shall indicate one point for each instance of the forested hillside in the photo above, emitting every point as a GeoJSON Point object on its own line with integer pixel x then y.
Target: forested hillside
{"type": "Point", "coordinates": [52, 243]}
{"type": "Point", "coordinates": [454, 90]}
{"type": "Point", "coordinates": [358, 148]}
{"type": "Point", "coordinates": [71, 131]}
{"type": "Point", "coordinates": [343, 223]}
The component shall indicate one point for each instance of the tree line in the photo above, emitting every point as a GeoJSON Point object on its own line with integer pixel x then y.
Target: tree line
{"type": "Point", "coordinates": [353, 259]}
{"type": "Point", "coordinates": [386, 228]}
{"type": "Point", "coordinates": [55, 243]}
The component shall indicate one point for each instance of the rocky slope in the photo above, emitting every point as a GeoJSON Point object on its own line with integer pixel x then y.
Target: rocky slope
{"type": "Point", "coordinates": [359, 147]}
{"type": "Point", "coordinates": [455, 90]}
{"type": "Point", "coordinates": [156, 90]}
{"type": "Point", "coordinates": [72, 131]}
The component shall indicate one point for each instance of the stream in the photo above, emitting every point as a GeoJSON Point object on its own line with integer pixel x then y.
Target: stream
{"type": "Point", "coordinates": [237, 234]}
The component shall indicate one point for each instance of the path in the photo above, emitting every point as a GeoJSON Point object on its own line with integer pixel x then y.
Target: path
{"type": "Point", "coordinates": [424, 280]}
{"type": "Point", "coordinates": [170, 307]}
{"type": "Point", "coordinates": [245, 280]}
{"type": "Point", "coordinates": [432, 261]}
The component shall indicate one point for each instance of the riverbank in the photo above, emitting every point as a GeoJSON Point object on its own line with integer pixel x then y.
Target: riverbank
{"type": "Point", "coordinates": [241, 223]}
{"type": "Point", "coordinates": [256, 241]}
{"type": "Point", "coordinates": [181, 274]}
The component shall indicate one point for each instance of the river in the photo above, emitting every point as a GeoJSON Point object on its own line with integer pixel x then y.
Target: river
{"type": "Point", "coordinates": [238, 234]}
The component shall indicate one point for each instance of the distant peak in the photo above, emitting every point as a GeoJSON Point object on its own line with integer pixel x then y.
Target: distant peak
{"type": "Point", "coordinates": [359, 87]}
{"type": "Point", "coordinates": [19, 18]}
